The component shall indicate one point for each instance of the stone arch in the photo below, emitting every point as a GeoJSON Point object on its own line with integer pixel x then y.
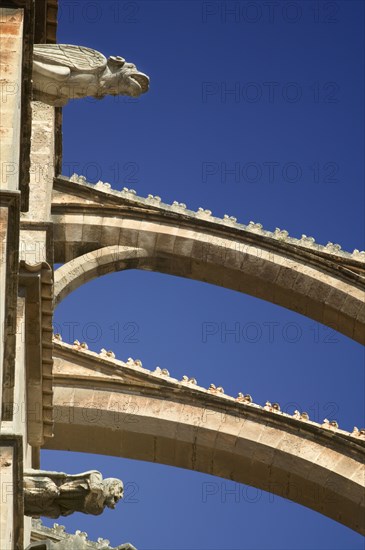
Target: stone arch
{"type": "Point", "coordinates": [301, 282]}
{"type": "Point", "coordinates": [105, 406]}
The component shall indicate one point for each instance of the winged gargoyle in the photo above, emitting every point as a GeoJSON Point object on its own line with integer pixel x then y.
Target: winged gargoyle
{"type": "Point", "coordinates": [54, 494]}
{"type": "Point", "coordinates": [62, 72]}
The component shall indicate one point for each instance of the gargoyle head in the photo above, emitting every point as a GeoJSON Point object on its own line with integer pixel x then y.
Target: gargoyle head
{"type": "Point", "coordinates": [127, 79]}
{"type": "Point", "coordinates": [113, 491]}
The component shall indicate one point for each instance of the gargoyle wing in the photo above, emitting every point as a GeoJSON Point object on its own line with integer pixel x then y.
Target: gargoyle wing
{"type": "Point", "coordinates": [66, 56]}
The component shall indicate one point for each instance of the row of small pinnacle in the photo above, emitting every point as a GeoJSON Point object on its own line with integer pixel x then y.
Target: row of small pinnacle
{"type": "Point", "coordinates": [280, 234]}
{"type": "Point", "coordinates": [60, 530]}
{"type": "Point", "coordinates": [217, 390]}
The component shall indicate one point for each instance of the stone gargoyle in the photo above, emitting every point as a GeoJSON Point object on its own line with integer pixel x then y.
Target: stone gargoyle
{"type": "Point", "coordinates": [62, 72]}
{"type": "Point", "coordinates": [54, 494]}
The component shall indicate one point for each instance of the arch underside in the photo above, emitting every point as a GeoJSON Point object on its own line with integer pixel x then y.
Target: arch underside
{"type": "Point", "coordinates": [103, 407]}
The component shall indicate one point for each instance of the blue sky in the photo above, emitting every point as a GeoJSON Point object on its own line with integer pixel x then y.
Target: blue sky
{"type": "Point", "coordinates": [257, 112]}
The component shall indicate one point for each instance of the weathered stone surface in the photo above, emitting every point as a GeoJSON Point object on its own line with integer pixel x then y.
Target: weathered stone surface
{"type": "Point", "coordinates": [11, 42]}
{"type": "Point", "coordinates": [42, 167]}
{"type": "Point", "coordinates": [7, 496]}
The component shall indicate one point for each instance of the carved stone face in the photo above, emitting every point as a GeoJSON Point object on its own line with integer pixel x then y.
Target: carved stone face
{"type": "Point", "coordinates": [113, 490]}
{"type": "Point", "coordinates": [128, 77]}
